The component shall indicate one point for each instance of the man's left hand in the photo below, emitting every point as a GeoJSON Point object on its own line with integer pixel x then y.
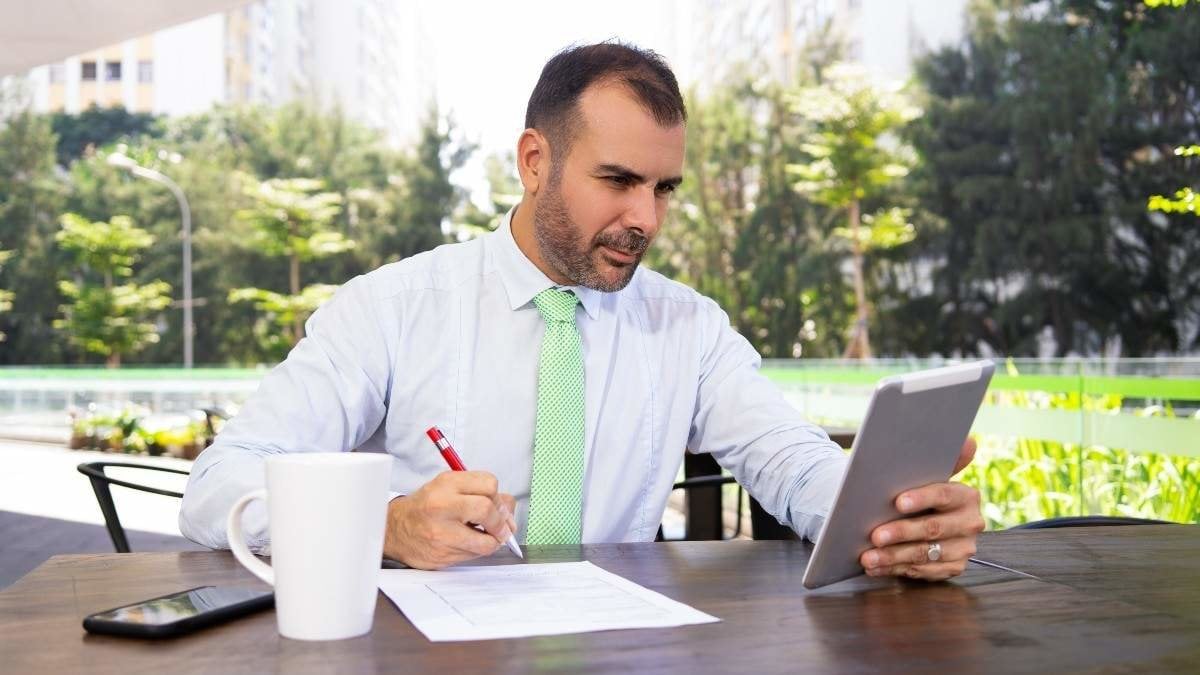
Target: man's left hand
{"type": "Point", "coordinates": [948, 515]}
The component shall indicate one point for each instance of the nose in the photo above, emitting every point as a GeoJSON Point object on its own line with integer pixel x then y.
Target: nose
{"type": "Point", "coordinates": [641, 213]}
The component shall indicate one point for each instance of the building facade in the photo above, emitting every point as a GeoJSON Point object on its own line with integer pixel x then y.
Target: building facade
{"type": "Point", "coordinates": [711, 39]}
{"type": "Point", "coordinates": [369, 58]}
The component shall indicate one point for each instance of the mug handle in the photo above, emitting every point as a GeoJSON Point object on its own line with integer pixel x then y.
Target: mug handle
{"type": "Point", "coordinates": [237, 540]}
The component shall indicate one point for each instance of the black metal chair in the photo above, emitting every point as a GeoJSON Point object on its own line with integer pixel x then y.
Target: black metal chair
{"type": "Point", "coordinates": [212, 414]}
{"type": "Point", "coordinates": [1088, 521]}
{"type": "Point", "coordinates": [703, 485]}
{"type": "Point", "coordinates": [101, 483]}
{"type": "Point", "coordinates": [763, 526]}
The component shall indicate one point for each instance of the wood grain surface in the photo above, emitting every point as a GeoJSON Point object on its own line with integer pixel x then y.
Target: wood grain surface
{"type": "Point", "coordinates": [1125, 599]}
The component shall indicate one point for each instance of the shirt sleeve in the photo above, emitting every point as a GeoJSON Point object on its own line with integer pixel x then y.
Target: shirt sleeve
{"type": "Point", "coordinates": [328, 395]}
{"type": "Point", "coordinates": [788, 464]}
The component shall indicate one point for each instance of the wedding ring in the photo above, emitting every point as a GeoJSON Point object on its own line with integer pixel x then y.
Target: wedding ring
{"type": "Point", "coordinates": [934, 552]}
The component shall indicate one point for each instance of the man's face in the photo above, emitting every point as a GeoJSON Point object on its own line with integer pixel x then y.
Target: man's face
{"type": "Point", "coordinates": [605, 203]}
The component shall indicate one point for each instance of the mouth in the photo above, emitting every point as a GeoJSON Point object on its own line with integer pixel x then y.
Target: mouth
{"type": "Point", "coordinates": [618, 257]}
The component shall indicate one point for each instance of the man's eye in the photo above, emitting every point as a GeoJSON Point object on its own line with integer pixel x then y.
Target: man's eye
{"type": "Point", "coordinates": [666, 189]}
{"type": "Point", "coordinates": [623, 181]}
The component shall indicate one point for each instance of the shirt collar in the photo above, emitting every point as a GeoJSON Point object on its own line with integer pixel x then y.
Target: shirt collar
{"type": "Point", "coordinates": [523, 280]}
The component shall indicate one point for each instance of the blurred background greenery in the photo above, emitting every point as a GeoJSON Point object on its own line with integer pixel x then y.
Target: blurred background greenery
{"type": "Point", "coordinates": [998, 205]}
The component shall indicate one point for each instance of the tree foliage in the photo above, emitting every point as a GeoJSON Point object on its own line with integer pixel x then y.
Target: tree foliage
{"type": "Point", "coordinates": [291, 218]}
{"type": "Point", "coordinates": [31, 200]}
{"type": "Point", "coordinates": [1020, 228]}
{"type": "Point", "coordinates": [741, 234]}
{"type": "Point", "coordinates": [105, 317]}
{"type": "Point", "coordinates": [848, 129]}
{"type": "Point", "coordinates": [1042, 135]}
{"type": "Point", "coordinates": [392, 203]}
{"type": "Point", "coordinates": [97, 127]}
{"type": "Point", "coordinates": [282, 313]}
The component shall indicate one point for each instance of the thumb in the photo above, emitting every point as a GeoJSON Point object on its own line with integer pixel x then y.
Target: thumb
{"type": "Point", "coordinates": [965, 457]}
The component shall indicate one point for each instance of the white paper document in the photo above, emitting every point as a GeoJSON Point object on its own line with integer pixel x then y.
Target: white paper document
{"type": "Point", "coordinates": [509, 601]}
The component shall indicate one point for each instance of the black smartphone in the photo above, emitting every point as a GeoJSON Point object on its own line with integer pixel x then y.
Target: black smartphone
{"type": "Point", "coordinates": [179, 613]}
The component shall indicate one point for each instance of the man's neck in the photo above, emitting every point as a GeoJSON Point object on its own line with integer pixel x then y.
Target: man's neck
{"type": "Point", "coordinates": [522, 232]}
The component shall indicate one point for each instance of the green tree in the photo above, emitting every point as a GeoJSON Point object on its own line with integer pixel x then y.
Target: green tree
{"type": "Point", "coordinates": [1185, 199]}
{"type": "Point", "coordinates": [420, 199]}
{"type": "Point", "coordinates": [393, 199]}
{"type": "Point", "coordinates": [97, 127]}
{"type": "Point", "coordinates": [738, 232]}
{"type": "Point", "coordinates": [851, 138]}
{"type": "Point", "coordinates": [741, 235]}
{"type": "Point", "coordinates": [108, 319]}
{"type": "Point", "coordinates": [31, 197]}
{"type": "Point", "coordinates": [1043, 135]}
{"type": "Point", "coordinates": [291, 218]}
{"type": "Point", "coordinates": [374, 177]}
{"type": "Point", "coordinates": [504, 192]}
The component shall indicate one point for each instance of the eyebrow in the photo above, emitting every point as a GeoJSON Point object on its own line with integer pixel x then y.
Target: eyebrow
{"type": "Point", "coordinates": [636, 177]}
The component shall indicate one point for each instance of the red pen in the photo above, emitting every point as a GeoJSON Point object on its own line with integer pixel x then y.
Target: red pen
{"type": "Point", "coordinates": [443, 445]}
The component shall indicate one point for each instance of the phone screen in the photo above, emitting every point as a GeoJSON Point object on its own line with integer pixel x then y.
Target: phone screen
{"type": "Point", "coordinates": [179, 606]}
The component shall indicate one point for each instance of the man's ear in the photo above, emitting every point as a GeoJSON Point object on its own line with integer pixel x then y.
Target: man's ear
{"type": "Point", "coordinates": [533, 160]}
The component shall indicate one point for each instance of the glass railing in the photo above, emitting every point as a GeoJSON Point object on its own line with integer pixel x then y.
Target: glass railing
{"type": "Point", "coordinates": [1057, 437]}
{"type": "Point", "coordinates": [1149, 405]}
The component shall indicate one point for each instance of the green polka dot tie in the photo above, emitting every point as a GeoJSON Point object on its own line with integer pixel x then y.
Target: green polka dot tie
{"type": "Point", "coordinates": [556, 493]}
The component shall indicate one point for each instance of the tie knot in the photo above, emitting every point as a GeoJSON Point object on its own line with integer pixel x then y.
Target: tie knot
{"type": "Point", "coordinates": [556, 305]}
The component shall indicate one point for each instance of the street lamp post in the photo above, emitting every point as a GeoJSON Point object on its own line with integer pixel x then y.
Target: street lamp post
{"type": "Point", "coordinates": [123, 161]}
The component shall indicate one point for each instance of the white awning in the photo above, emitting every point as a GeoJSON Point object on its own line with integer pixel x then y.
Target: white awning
{"type": "Point", "coordinates": [36, 32]}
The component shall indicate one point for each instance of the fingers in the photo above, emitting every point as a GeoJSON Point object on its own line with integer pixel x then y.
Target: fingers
{"type": "Point", "coordinates": [949, 515]}
{"type": "Point", "coordinates": [432, 545]}
{"type": "Point", "coordinates": [916, 553]}
{"type": "Point", "coordinates": [467, 542]}
{"type": "Point", "coordinates": [939, 497]}
{"type": "Point", "coordinates": [956, 513]}
{"type": "Point", "coordinates": [434, 527]}
{"type": "Point", "coordinates": [939, 571]}
{"type": "Point", "coordinates": [469, 482]}
{"type": "Point", "coordinates": [965, 456]}
{"type": "Point", "coordinates": [489, 514]}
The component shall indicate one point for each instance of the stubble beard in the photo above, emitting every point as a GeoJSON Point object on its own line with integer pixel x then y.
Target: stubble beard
{"type": "Point", "coordinates": [563, 249]}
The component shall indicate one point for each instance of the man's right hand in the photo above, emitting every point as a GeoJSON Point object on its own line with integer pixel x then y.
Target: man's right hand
{"type": "Point", "coordinates": [434, 527]}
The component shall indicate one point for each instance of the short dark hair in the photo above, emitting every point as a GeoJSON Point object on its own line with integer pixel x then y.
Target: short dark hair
{"type": "Point", "coordinates": [554, 104]}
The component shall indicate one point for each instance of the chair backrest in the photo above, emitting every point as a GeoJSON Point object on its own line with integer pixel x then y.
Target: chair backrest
{"type": "Point", "coordinates": [704, 489]}
{"type": "Point", "coordinates": [101, 483]}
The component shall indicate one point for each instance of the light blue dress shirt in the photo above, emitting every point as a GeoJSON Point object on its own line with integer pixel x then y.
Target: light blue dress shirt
{"type": "Point", "coordinates": [451, 338]}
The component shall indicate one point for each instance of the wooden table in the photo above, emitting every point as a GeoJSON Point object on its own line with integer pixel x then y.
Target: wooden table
{"type": "Point", "coordinates": [1118, 598]}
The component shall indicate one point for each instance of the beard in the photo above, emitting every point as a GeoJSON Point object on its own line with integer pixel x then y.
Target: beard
{"type": "Point", "coordinates": [562, 246]}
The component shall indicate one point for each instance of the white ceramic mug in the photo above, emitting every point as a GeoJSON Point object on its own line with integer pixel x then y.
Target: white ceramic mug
{"type": "Point", "coordinates": [326, 513]}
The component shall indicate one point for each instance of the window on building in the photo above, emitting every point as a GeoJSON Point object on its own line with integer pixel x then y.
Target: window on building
{"type": "Point", "coordinates": [112, 70]}
{"type": "Point", "coordinates": [58, 73]}
{"type": "Point", "coordinates": [88, 71]}
{"type": "Point", "coordinates": [145, 71]}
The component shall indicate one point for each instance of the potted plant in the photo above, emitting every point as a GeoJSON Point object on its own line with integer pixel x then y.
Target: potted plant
{"type": "Point", "coordinates": [196, 440]}
{"type": "Point", "coordinates": [83, 433]}
{"type": "Point", "coordinates": [133, 444]}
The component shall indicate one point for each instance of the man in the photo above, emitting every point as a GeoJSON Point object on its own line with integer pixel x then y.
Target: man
{"type": "Point", "coordinates": [568, 377]}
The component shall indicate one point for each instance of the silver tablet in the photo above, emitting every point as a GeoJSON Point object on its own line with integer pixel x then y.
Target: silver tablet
{"type": "Point", "coordinates": [911, 436]}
